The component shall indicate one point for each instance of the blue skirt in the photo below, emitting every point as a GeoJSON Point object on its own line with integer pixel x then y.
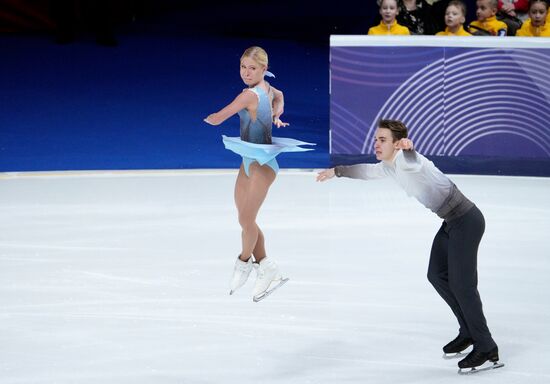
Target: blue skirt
{"type": "Point", "coordinates": [264, 154]}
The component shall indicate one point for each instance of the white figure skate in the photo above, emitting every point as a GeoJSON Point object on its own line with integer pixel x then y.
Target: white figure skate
{"type": "Point", "coordinates": [268, 280]}
{"type": "Point", "coordinates": [240, 274]}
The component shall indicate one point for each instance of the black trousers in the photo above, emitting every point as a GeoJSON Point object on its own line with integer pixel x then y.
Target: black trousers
{"type": "Point", "coordinates": [453, 273]}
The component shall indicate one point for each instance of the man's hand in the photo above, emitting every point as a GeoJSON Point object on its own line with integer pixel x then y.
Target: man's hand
{"type": "Point", "coordinates": [326, 174]}
{"type": "Point", "coordinates": [405, 144]}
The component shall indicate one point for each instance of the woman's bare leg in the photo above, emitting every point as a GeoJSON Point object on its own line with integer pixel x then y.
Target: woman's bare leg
{"type": "Point", "coordinates": [250, 193]}
{"type": "Point", "coordinates": [259, 249]}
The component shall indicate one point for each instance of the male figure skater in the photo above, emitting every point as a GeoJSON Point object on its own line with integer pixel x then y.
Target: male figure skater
{"type": "Point", "coordinates": [453, 260]}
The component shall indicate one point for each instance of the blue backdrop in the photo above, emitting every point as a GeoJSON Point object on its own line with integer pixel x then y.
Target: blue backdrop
{"type": "Point", "coordinates": [140, 105]}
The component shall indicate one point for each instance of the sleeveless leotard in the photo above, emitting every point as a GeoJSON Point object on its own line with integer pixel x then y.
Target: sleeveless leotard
{"type": "Point", "coordinates": [255, 142]}
{"type": "Point", "coordinates": [258, 131]}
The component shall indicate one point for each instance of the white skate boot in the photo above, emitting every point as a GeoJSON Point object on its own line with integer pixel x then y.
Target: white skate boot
{"type": "Point", "coordinates": [269, 279]}
{"type": "Point", "coordinates": [240, 274]}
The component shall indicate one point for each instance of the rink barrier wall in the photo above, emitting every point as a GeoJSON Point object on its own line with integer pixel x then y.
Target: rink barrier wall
{"type": "Point", "coordinates": [472, 104]}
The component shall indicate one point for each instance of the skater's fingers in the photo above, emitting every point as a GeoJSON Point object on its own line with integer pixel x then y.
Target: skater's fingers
{"type": "Point", "coordinates": [279, 123]}
{"type": "Point", "coordinates": [325, 175]}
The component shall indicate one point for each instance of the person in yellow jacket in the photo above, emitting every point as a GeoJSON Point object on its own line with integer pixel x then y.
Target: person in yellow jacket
{"type": "Point", "coordinates": [538, 24]}
{"type": "Point", "coordinates": [487, 20]}
{"type": "Point", "coordinates": [455, 16]}
{"type": "Point", "coordinates": [388, 25]}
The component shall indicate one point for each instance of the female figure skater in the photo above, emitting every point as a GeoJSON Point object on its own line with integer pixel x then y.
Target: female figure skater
{"type": "Point", "coordinates": [259, 106]}
{"type": "Point", "coordinates": [453, 260]}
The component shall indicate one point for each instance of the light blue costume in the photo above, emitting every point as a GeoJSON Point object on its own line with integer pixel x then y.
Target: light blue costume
{"type": "Point", "coordinates": [256, 142]}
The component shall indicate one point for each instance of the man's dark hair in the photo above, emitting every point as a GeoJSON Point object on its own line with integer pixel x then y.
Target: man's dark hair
{"type": "Point", "coordinates": [398, 129]}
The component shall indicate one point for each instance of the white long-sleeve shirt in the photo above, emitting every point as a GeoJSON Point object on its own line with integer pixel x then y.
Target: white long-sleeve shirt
{"type": "Point", "coordinates": [419, 177]}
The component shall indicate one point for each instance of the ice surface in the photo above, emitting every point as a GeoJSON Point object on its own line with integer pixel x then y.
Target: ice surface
{"type": "Point", "coordinates": [123, 277]}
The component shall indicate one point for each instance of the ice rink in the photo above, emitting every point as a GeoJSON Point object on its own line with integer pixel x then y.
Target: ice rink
{"type": "Point", "coordinates": [123, 277]}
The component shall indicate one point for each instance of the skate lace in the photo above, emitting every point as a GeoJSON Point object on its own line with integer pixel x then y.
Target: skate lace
{"type": "Point", "coordinates": [260, 271]}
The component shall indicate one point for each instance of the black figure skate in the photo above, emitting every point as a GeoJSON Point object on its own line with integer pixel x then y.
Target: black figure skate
{"type": "Point", "coordinates": [475, 362]}
{"type": "Point", "coordinates": [456, 347]}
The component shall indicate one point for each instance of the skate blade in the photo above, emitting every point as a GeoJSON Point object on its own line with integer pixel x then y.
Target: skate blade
{"type": "Point", "coordinates": [232, 291]}
{"type": "Point", "coordinates": [450, 356]}
{"type": "Point", "coordinates": [268, 292]}
{"type": "Point", "coordinates": [471, 371]}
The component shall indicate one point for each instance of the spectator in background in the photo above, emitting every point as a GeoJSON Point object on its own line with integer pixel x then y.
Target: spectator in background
{"type": "Point", "coordinates": [438, 10]}
{"type": "Point", "coordinates": [417, 16]}
{"type": "Point", "coordinates": [389, 25]}
{"type": "Point", "coordinates": [513, 13]}
{"type": "Point", "coordinates": [537, 25]}
{"type": "Point", "coordinates": [455, 17]}
{"type": "Point", "coordinates": [487, 23]}
{"type": "Point", "coordinates": [515, 8]}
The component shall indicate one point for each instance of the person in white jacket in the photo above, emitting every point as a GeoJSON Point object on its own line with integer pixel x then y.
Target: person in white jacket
{"type": "Point", "coordinates": [453, 260]}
